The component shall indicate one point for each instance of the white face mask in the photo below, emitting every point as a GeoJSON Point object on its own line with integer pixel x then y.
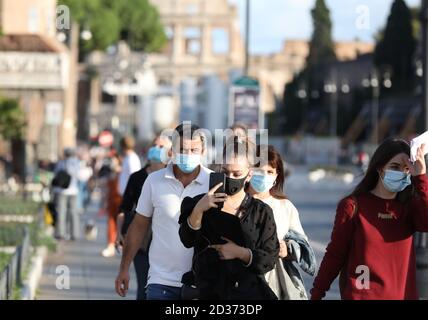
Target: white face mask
{"type": "Point", "coordinates": [262, 182]}
{"type": "Point", "coordinates": [187, 163]}
{"type": "Point", "coordinates": [396, 181]}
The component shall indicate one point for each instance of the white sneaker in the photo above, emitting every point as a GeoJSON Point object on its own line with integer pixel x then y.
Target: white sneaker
{"type": "Point", "coordinates": [108, 252]}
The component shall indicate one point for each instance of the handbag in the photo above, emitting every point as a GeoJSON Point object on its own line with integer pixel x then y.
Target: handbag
{"type": "Point", "coordinates": [189, 290]}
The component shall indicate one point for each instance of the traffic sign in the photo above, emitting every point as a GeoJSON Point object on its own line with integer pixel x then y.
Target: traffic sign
{"type": "Point", "coordinates": [244, 105]}
{"type": "Point", "coordinates": [105, 139]}
{"type": "Point", "coordinates": [53, 115]}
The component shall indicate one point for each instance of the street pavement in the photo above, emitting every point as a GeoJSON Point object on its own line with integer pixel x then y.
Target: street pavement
{"type": "Point", "coordinates": [316, 203]}
{"type": "Point", "coordinates": [92, 276]}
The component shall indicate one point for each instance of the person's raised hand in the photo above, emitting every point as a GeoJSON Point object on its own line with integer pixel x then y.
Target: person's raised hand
{"type": "Point", "coordinates": [419, 166]}
{"type": "Point", "coordinates": [210, 199]}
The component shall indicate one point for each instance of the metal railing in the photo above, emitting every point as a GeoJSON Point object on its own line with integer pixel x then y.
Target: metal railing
{"type": "Point", "coordinates": [35, 191]}
{"type": "Point", "coordinates": [12, 275]}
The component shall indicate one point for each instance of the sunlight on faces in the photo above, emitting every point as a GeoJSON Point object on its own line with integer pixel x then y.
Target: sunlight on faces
{"type": "Point", "coordinates": [240, 132]}
{"type": "Point", "coordinates": [162, 142]}
{"type": "Point", "coordinates": [266, 170]}
{"type": "Point", "coordinates": [187, 154]}
{"type": "Point", "coordinates": [237, 167]}
{"type": "Point", "coordinates": [397, 163]}
{"type": "Point", "coordinates": [239, 151]}
{"type": "Point", "coordinates": [189, 146]}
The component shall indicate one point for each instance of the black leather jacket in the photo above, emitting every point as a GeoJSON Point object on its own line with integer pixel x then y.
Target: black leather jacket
{"type": "Point", "coordinates": [231, 279]}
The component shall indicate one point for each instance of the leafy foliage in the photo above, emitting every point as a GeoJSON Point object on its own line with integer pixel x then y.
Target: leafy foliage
{"type": "Point", "coordinates": [396, 49]}
{"type": "Point", "coordinates": [135, 21]}
{"type": "Point", "coordinates": [12, 119]}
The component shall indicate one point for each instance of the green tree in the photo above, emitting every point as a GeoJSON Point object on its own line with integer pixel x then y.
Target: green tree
{"type": "Point", "coordinates": [94, 15]}
{"type": "Point", "coordinates": [12, 126]}
{"type": "Point", "coordinates": [104, 27]}
{"type": "Point", "coordinates": [321, 46]}
{"type": "Point", "coordinates": [321, 52]}
{"type": "Point", "coordinates": [12, 119]}
{"type": "Point", "coordinates": [135, 21]}
{"type": "Point", "coordinates": [294, 107]}
{"type": "Point", "coordinates": [140, 24]}
{"type": "Point", "coordinates": [396, 49]}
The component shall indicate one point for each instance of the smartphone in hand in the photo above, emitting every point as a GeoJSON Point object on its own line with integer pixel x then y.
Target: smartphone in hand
{"type": "Point", "coordinates": [215, 179]}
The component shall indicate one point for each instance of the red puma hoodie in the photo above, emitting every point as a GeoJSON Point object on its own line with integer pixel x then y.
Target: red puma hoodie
{"type": "Point", "coordinates": [377, 239]}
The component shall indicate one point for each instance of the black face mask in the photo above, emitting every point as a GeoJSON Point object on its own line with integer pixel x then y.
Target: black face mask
{"type": "Point", "coordinates": [233, 186]}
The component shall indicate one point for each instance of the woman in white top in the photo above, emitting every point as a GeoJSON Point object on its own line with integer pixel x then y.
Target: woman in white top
{"type": "Point", "coordinates": [267, 185]}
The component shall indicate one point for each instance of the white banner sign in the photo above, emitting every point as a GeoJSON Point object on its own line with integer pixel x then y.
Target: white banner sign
{"type": "Point", "coordinates": [53, 114]}
{"type": "Point", "coordinates": [33, 70]}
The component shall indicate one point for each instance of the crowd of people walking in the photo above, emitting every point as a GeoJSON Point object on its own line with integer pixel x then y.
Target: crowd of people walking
{"type": "Point", "coordinates": [228, 231]}
{"type": "Point", "coordinates": [242, 238]}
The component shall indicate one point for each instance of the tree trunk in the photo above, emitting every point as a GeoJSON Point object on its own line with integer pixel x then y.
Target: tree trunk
{"type": "Point", "coordinates": [18, 159]}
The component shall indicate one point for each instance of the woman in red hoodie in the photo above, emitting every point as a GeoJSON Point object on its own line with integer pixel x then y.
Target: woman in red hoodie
{"type": "Point", "coordinates": [372, 239]}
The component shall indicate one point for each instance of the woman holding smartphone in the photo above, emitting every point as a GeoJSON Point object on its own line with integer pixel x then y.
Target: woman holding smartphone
{"type": "Point", "coordinates": [372, 239]}
{"type": "Point", "coordinates": [237, 244]}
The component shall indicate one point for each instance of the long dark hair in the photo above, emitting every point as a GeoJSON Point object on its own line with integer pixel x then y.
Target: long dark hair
{"type": "Point", "coordinates": [275, 161]}
{"type": "Point", "coordinates": [383, 154]}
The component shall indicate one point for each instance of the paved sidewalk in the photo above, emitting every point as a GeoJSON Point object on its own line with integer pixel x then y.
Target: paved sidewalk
{"type": "Point", "coordinates": [317, 203]}
{"type": "Point", "coordinates": [91, 275]}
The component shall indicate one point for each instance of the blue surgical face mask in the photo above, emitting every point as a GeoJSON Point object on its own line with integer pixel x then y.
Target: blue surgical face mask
{"type": "Point", "coordinates": [262, 183]}
{"type": "Point", "coordinates": [156, 154]}
{"type": "Point", "coordinates": [396, 181]}
{"type": "Point", "coordinates": [187, 163]}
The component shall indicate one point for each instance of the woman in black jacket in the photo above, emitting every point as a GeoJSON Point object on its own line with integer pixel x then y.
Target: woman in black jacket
{"type": "Point", "coordinates": [234, 245]}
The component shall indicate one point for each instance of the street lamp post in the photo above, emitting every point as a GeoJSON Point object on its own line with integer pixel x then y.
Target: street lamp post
{"type": "Point", "coordinates": [302, 94]}
{"type": "Point", "coordinates": [331, 88]}
{"type": "Point", "coordinates": [247, 37]}
{"type": "Point", "coordinates": [421, 239]}
{"type": "Point", "coordinates": [373, 83]}
{"type": "Point", "coordinates": [424, 22]}
{"type": "Point", "coordinates": [334, 87]}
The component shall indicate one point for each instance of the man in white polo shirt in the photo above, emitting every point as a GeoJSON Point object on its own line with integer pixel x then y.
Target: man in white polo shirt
{"type": "Point", "coordinates": [159, 203]}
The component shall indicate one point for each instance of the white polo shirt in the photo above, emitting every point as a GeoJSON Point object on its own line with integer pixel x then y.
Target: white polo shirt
{"type": "Point", "coordinates": [161, 199]}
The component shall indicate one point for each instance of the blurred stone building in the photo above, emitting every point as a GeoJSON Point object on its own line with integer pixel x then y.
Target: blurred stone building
{"type": "Point", "coordinates": [40, 72]}
{"type": "Point", "coordinates": [205, 39]}
{"type": "Point", "coordinates": [205, 51]}
{"type": "Point", "coordinates": [190, 55]}
{"type": "Point", "coordinates": [276, 70]}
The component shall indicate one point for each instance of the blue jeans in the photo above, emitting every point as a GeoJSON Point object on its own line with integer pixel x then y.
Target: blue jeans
{"type": "Point", "coordinates": [161, 292]}
{"type": "Point", "coordinates": [83, 195]}
{"type": "Point", "coordinates": [141, 264]}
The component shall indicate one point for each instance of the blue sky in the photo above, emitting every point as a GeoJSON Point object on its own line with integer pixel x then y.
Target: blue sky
{"type": "Point", "coordinates": [276, 20]}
